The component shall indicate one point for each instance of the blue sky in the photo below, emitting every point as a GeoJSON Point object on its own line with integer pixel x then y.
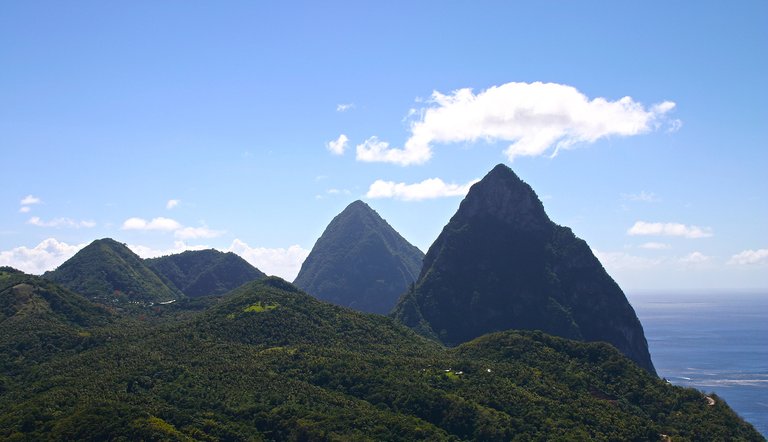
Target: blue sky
{"type": "Point", "coordinates": [174, 125]}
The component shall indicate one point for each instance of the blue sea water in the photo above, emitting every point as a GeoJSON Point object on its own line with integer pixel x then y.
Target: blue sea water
{"type": "Point", "coordinates": [714, 342]}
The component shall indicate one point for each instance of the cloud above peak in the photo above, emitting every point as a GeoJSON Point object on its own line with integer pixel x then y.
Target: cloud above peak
{"type": "Point", "coordinates": [536, 118]}
{"type": "Point", "coordinates": [428, 189]}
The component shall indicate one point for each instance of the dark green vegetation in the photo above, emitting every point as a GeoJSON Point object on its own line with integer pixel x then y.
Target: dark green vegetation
{"type": "Point", "coordinates": [360, 261]}
{"type": "Point", "coordinates": [110, 272]}
{"type": "Point", "coordinates": [205, 272]}
{"type": "Point", "coordinates": [268, 362]}
{"type": "Point", "coordinates": [501, 264]}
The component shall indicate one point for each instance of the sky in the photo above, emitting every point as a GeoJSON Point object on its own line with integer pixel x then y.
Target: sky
{"type": "Point", "coordinates": [247, 126]}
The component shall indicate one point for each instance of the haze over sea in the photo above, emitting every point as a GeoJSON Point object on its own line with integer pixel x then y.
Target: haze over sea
{"type": "Point", "coordinates": [714, 342]}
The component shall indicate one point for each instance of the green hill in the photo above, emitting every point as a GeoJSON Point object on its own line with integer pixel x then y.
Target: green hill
{"type": "Point", "coordinates": [501, 263]}
{"type": "Point", "coordinates": [360, 262]}
{"type": "Point", "coordinates": [268, 362]}
{"type": "Point", "coordinates": [110, 272]}
{"type": "Point", "coordinates": [38, 319]}
{"type": "Point", "coordinates": [205, 272]}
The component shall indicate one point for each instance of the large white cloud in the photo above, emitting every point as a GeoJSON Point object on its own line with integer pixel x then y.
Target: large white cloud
{"type": "Point", "coordinates": [427, 189]}
{"type": "Point", "coordinates": [47, 255]}
{"type": "Point", "coordinates": [750, 257]}
{"type": "Point", "coordinates": [536, 118]}
{"type": "Point", "coordinates": [282, 262]}
{"type": "Point", "coordinates": [669, 229]}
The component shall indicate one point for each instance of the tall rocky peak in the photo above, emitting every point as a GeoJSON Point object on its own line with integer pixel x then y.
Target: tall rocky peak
{"type": "Point", "coordinates": [205, 272]}
{"type": "Point", "coordinates": [109, 271]}
{"type": "Point", "coordinates": [360, 262]}
{"type": "Point", "coordinates": [500, 264]}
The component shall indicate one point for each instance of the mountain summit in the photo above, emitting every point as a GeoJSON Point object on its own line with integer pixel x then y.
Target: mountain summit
{"type": "Point", "coordinates": [109, 271]}
{"type": "Point", "coordinates": [205, 272]}
{"type": "Point", "coordinates": [501, 263]}
{"type": "Point", "coordinates": [360, 261]}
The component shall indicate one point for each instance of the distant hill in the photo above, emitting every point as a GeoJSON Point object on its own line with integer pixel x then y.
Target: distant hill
{"type": "Point", "coordinates": [205, 272]}
{"type": "Point", "coordinates": [110, 272]}
{"type": "Point", "coordinates": [501, 264]}
{"type": "Point", "coordinates": [269, 362]}
{"type": "Point", "coordinates": [38, 318]}
{"type": "Point", "coordinates": [360, 261]}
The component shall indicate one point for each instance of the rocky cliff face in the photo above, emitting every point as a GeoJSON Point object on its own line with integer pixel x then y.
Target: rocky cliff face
{"type": "Point", "coordinates": [501, 263]}
{"type": "Point", "coordinates": [360, 262]}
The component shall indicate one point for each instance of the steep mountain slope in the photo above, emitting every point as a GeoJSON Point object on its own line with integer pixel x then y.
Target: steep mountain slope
{"type": "Point", "coordinates": [205, 272]}
{"type": "Point", "coordinates": [110, 272]}
{"type": "Point", "coordinates": [360, 261]}
{"type": "Point", "coordinates": [500, 264]}
{"type": "Point", "coordinates": [269, 362]}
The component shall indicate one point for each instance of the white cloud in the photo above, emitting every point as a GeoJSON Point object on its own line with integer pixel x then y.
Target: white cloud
{"type": "Point", "coordinates": [344, 107]}
{"type": "Point", "coordinates": [427, 189]}
{"type": "Point", "coordinates": [61, 222]}
{"type": "Point", "coordinates": [24, 209]}
{"type": "Point", "coordinates": [615, 261]}
{"type": "Point", "coordinates": [282, 262]}
{"type": "Point", "coordinates": [537, 118]}
{"type": "Point", "coordinates": [160, 223]}
{"type": "Point", "coordinates": [655, 246]}
{"type": "Point", "coordinates": [178, 247]}
{"type": "Point", "coordinates": [338, 146]}
{"type": "Point", "coordinates": [30, 200]}
{"type": "Point", "coordinates": [197, 232]}
{"type": "Point", "coordinates": [669, 229]}
{"type": "Point", "coordinates": [47, 255]}
{"type": "Point", "coordinates": [643, 196]}
{"type": "Point", "coordinates": [750, 257]}
{"type": "Point", "coordinates": [171, 204]}
{"type": "Point", "coordinates": [694, 258]}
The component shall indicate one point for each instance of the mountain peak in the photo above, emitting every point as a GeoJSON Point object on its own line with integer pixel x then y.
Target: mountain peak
{"type": "Point", "coordinates": [501, 263]}
{"type": "Point", "coordinates": [502, 195]}
{"type": "Point", "coordinates": [109, 271]}
{"type": "Point", "coordinates": [360, 262]}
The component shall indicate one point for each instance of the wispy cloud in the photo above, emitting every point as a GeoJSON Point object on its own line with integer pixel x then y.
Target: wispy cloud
{"type": "Point", "coordinates": [197, 233]}
{"type": "Point", "coordinates": [655, 246]}
{"type": "Point", "coordinates": [160, 223]}
{"type": "Point", "coordinates": [643, 196]}
{"type": "Point", "coordinates": [282, 262]}
{"type": "Point", "coordinates": [61, 222]}
{"type": "Point", "coordinates": [536, 118]}
{"type": "Point", "coordinates": [427, 189]}
{"type": "Point", "coordinates": [750, 257]}
{"type": "Point", "coordinates": [669, 229]}
{"type": "Point", "coordinates": [163, 224]}
{"type": "Point", "coordinates": [694, 258]}
{"type": "Point", "coordinates": [344, 107]}
{"type": "Point", "coordinates": [624, 261]}
{"type": "Point", "coordinates": [45, 256]}
{"type": "Point", "coordinates": [338, 146]}
{"type": "Point", "coordinates": [172, 203]}
{"type": "Point", "coordinates": [30, 200]}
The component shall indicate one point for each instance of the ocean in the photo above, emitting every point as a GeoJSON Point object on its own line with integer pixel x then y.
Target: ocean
{"type": "Point", "coordinates": [714, 342]}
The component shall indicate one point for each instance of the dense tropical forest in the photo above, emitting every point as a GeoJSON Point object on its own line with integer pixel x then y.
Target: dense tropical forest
{"type": "Point", "coordinates": [268, 362]}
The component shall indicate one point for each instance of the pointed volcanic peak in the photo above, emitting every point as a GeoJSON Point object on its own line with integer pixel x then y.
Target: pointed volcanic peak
{"type": "Point", "coordinates": [500, 264]}
{"type": "Point", "coordinates": [109, 271]}
{"type": "Point", "coordinates": [360, 262]}
{"type": "Point", "coordinates": [205, 272]}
